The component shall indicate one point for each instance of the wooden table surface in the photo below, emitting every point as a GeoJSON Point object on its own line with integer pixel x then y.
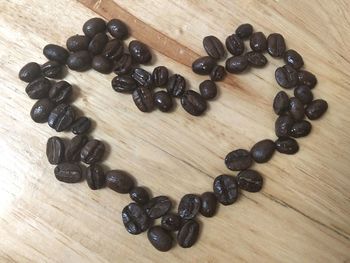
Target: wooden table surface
{"type": "Point", "coordinates": [301, 215]}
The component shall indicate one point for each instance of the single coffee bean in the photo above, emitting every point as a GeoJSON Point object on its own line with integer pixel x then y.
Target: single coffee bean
{"type": "Point", "coordinates": [77, 43]}
{"type": "Point", "coordinates": [139, 52]}
{"type": "Point", "coordinates": [176, 85]}
{"type": "Point", "coordinates": [236, 64]}
{"type": "Point", "coordinates": [93, 26]}
{"type": "Point", "coordinates": [41, 110]}
{"type": "Point", "coordinates": [143, 99]}
{"type": "Point", "coordinates": [209, 204]}
{"type": "Point", "coordinates": [307, 78]}
{"type": "Point", "coordinates": [250, 180]}
{"type": "Point", "coordinates": [262, 151]}
{"type": "Point", "coordinates": [256, 59]}
{"type": "Point", "coordinates": [81, 125]}
{"type": "Point", "coordinates": [316, 109]}
{"type": "Point", "coordinates": [119, 181]}
{"type": "Point", "coordinates": [218, 73]}
{"type": "Point", "coordinates": [92, 152]}
{"type": "Point", "coordinates": [139, 195]}
{"type": "Point", "coordinates": [293, 58]}
{"type": "Point", "coordinates": [214, 47]}
{"type": "Point", "coordinates": [61, 117]}
{"type": "Point", "coordinates": [30, 72]}
{"type": "Point", "coordinates": [74, 147]}
{"type": "Point", "coordinates": [296, 108]}
{"type": "Point", "coordinates": [98, 43]}
{"type": "Point", "coordinates": [203, 65]}
{"type": "Point", "coordinates": [193, 103]}
{"type": "Point", "coordinates": [281, 103]}
{"type": "Point", "coordinates": [142, 77]}
{"type": "Point", "coordinates": [234, 45]}
{"type": "Point", "coordinates": [163, 101]}
{"type": "Point", "coordinates": [208, 89]}
{"type": "Point", "coordinates": [283, 125]}
{"type": "Point", "coordinates": [79, 61]}
{"type": "Point", "coordinates": [286, 76]}
{"type": "Point", "coordinates": [117, 29]}
{"type": "Point", "coordinates": [39, 88]}
{"type": "Point", "coordinates": [124, 84]}
{"type": "Point", "coordinates": [55, 150]}
{"type": "Point", "coordinates": [276, 45]}
{"type": "Point", "coordinates": [56, 53]}
{"type": "Point", "coordinates": [189, 206]}
{"type": "Point", "coordinates": [60, 91]}
{"type": "Point", "coordinates": [158, 206]}
{"type": "Point", "coordinates": [300, 129]}
{"type": "Point", "coordinates": [102, 64]}
{"type": "Point", "coordinates": [68, 173]}
{"type": "Point", "coordinates": [123, 65]}
{"type": "Point", "coordinates": [238, 160]}
{"type": "Point", "coordinates": [171, 222]}
{"type": "Point", "coordinates": [160, 238]}
{"type": "Point", "coordinates": [258, 42]}
{"type": "Point", "coordinates": [244, 31]}
{"type": "Point", "coordinates": [188, 234]}
{"type": "Point", "coordinates": [160, 76]}
{"type": "Point", "coordinates": [135, 219]}
{"type": "Point", "coordinates": [113, 50]}
{"type": "Point", "coordinates": [52, 69]}
{"type": "Point", "coordinates": [304, 94]}
{"type": "Point", "coordinates": [287, 145]}
{"type": "Point", "coordinates": [225, 189]}
{"type": "Point", "coordinates": [95, 176]}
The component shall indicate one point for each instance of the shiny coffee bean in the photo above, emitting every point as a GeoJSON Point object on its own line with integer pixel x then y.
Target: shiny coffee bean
{"type": "Point", "coordinates": [287, 145]}
{"type": "Point", "coordinates": [208, 89]}
{"type": "Point", "coordinates": [95, 176]}
{"type": "Point", "coordinates": [56, 53]}
{"type": "Point", "coordinates": [41, 110]}
{"type": "Point", "coordinates": [98, 43]}
{"type": "Point", "coordinates": [55, 150]}
{"type": "Point", "coordinates": [188, 234]}
{"type": "Point", "coordinates": [163, 101]}
{"type": "Point", "coordinates": [143, 99]}
{"type": "Point", "coordinates": [256, 59]}
{"type": "Point", "coordinates": [234, 45]}
{"type": "Point", "coordinates": [304, 94]}
{"type": "Point", "coordinates": [160, 238]}
{"type": "Point", "coordinates": [158, 206]}
{"type": "Point", "coordinates": [119, 181]}
{"type": "Point", "coordinates": [77, 43]}
{"type": "Point", "coordinates": [124, 84]}
{"type": "Point", "coordinates": [123, 65]}
{"type": "Point", "coordinates": [102, 64]}
{"type": "Point", "coordinates": [262, 151]}
{"type": "Point", "coordinates": [218, 73]}
{"type": "Point", "coordinates": [52, 69]}
{"type": "Point", "coordinates": [225, 189]}
{"type": "Point", "coordinates": [113, 50]}
{"type": "Point", "coordinates": [117, 29]}
{"type": "Point", "coordinates": [209, 204]}
{"type": "Point", "coordinates": [213, 47]}
{"type": "Point", "coordinates": [193, 103]}
{"type": "Point", "coordinates": [296, 108]}
{"type": "Point", "coordinates": [293, 58]}
{"type": "Point", "coordinates": [93, 26]}
{"type": "Point", "coordinates": [140, 52]}
{"type": "Point", "coordinates": [176, 85]}
{"type": "Point", "coordinates": [203, 65]}
{"type": "Point", "coordinates": [68, 173]}
{"type": "Point", "coordinates": [300, 129]}
{"type": "Point", "coordinates": [160, 76]}
{"type": "Point", "coordinates": [74, 147]}
{"type": "Point", "coordinates": [189, 206]}
{"type": "Point", "coordinates": [30, 72]}
{"type": "Point", "coordinates": [286, 76]}
{"type": "Point", "coordinates": [283, 125]}
{"type": "Point", "coordinates": [236, 64]}
{"type": "Point", "coordinates": [60, 91]}
{"type": "Point", "coordinates": [135, 219]}
{"type": "Point", "coordinates": [61, 117]}
{"type": "Point", "coordinates": [307, 78]}
{"type": "Point", "coordinates": [244, 31]}
{"type": "Point", "coordinates": [79, 61]}
{"type": "Point", "coordinates": [171, 222]}
{"type": "Point", "coordinates": [258, 42]}
{"type": "Point", "coordinates": [142, 77]}
{"type": "Point", "coordinates": [139, 195]}
{"type": "Point", "coordinates": [250, 180]}
{"type": "Point", "coordinates": [316, 109]}
{"type": "Point", "coordinates": [92, 152]}
{"type": "Point", "coordinates": [281, 103]}
{"type": "Point", "coordinates": [276, 45]}
{"type": "Point", "coordinates": [81, 125]}
{"type": "Point", "coordinates": [39, 88]}
{"type": "Point", "coordinates": [238, 160]}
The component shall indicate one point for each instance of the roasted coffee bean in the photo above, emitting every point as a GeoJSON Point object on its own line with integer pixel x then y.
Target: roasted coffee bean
{"type": "Point", "coordinates": [55, 150]}
{"type": "Point", "coordinates": [41, 110]}
{"type": "Point", "coordinates": [176, 85]}
{"type": "Point", "coordinates": [123, 65]}
{"type": "Point", "coordinates": [52, 69]}
{"type": "Point", "coordinates": [102, 64]}
{"type": "Point", "coordinates": [316, 109]}
{"type": "Point", "coordinates": [256, 59]}
{"type": "Point", "coordinates": [68, 173]}
{"type": "Point", "coordinates": [124, 84]}
{"type": "Point", "coordinates": [158, 206]}
{"type": "Point", "coordinates": [79, 61]}
{"type": "Point", "coordinates": [143, 99]}
{"type": "Point", "coordinates": [160, 238]}
{"type": "Point", "coordinates": [225, 188]}
{"type": "Point", "coordinates": [39, 88]}
{"type": "Point", "coordinates": [244, 31]}
{"type": "Point", "coordinates": [142, 77]}
{"type": "Point", "coordinates": [307, 78]}
{"type": "Point", "coordinates": [163, 101]}
{"type": "Point", "coordinates": [293, 58]}
{"type": "Point", "coordinates": [77, 43]}
{"type": "Point", "coordinates": [92, 152]}
{"type": "Point", "coordinates": [74, 147]}
{"type": "Point", "coordinates": [203, 65]}
{"type": "Point", "coordinates": [262, 151]}
{"type": "Point", "coordinates": [300, 129]}
{"type": "Point", "coordinates": [135, 219]}
{"type": "Point", "coordinates": [283, 125]}
{"type": "Point", "coordinates": [113, 50]}
{"type": "Point", "coordinates": [81, 125]}
{"type": "Point", "coordinates": [304, 94]}
{"type": "Point", "coordinates": [95, 176]}
{"type": "Point", "coordinates": [258, 42]}
{"type": "Point", "coordinates": [286, 76]}
{"type": "Point", "coordinates": [171, 222]}
{"type": "Point", "coordinates": [119, 181]}
{"type": "Point", "coordinates": [250, 180]}
{"type": "Point", "coordinates": [117, 29]}
{"type": "Point", "coordinates": [61, 117]}
{"type": "Point", "coordinates": [234, 45]}
{"type": "Point", "coordinates": [218, 73]}
{"type": "Point", "coordinates": [160, 76]}
{"type": "Point", "coordinates": [188, 234]}
{"type": "Point", "coordinates": [296, 108]}
{"type": "Point", "coordinates": [281, 103]}
{"type": "Point", "coordinates": [236, 64]}
{"type": "Point", "coordinates": [208, 89]}
{"type": "Point", "coordinates": [98, 43]}
{"type": "Point", "coordinates": [139, 52]}
{"type": "Point", "coordinates": [193, 103]}
{"type": "Point", "coordinates": [189, 206]}
{"type": "Point", "coordinates": [93, 26]}
{"type": "Point", "coordinates": [287, 145]}
{"type": "Point", "coordinates": [209, 204]}
{"type": "Point", "coordinates": [276, 45]}
{"type": "Point", "coordinates": [56, 53]}
{"type": "Point", "coordinates": [60, 91]}
{"type": "Point", "coordinates": [139, 195]}
{"type": "Point", "coordinates": [238, 160]}
{"type": "Point", "coordinates": [30, 72]}
{"type": "Point", "coordinates": [214, 47]}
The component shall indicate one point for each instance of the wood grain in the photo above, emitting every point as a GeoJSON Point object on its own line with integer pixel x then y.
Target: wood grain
{"type": "Point", "coordinates": [301, 215]}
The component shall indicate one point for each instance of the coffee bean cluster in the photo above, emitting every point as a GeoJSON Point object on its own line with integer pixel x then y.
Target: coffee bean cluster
{"type": "Point", "coordinates": [101, 47]}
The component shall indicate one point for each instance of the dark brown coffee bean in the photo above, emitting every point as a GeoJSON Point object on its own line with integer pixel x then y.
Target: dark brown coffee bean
{"type": "Point", "coordinates": [214, 47]}
{"type": "Point", "coordinates": [262, 151]}
{"type": "Point", "coordinates": [55, 150]}
{"type": "Point", "coordinates": [93, 26]}
{"type": "Point", "coordinates": [296, 108]}
{"type": "Point", "coordinates": [142, 77]}
{"type": "Point", "coordinates": [236, 64]}
{"type": "Point", "coordinates": [176, 85]}
{"type": "Point", "coordinates": [60, 91]}
{"type": "Point", "coordinates": [160, 76]}
{"type": "Point", "coordinates": [188, 234]}
{"type": "Point", "coordinates": [316, 109]}
{"type": "Point", "coordinates": [124, 84]}
{"type": "Point", "coordinates": [300, 129]}
{"type": "Point", "coordinates": [238, 160]}
{"type": "Point", "coordinates": [158, 206]}
{"type": "Point", "coordinates": [39, 88]}
{"type": "Point", "coordinates": [250, 180]}
{"type": "Point", "coordinates": [119, 181]}
{"type": "Point", "coordinates": [113, 50]}
{"type": "Point", "coordinates": [160, 238]}
{"type": "Point", "coordinates": [135, 219]}
{"type": "Point", "coordinates": [77, 43]}
{"type": "Point", "coordinates": [193, 103]}
{"type": "Point", "coordinates": [98, 43]}
{"type": "Point", "coordinates": [287, 145]}
{"type": "Point", "coordinates": [61, 117]}
{"type": "Point", "coordinates": [92, 152]}
{"type": "Point", "coordinates": [203, 65]}
{"type": "Point", "coordinates": [276, 45]}
{"type": "Point", "coordinates": [79, 61]}
{"type": "Point", "coordinates": [307, 78]}
{"type": "Point", "coordinates": [283, 125]}
{"type": "Point", "coordinates": [95, 176]}
{"type": "Point", "coordinates": [139, 195]}
{"type": "Point", "coordinates": [123, 65]}
{"type": "Point", "coordinates": [225, 188]}
{"type": "Point", "coordinates": [258, 42]}
{"type": "Point", "coordinates": [52, 69]}
{"type": "Point", "coordinates": [304, 94]}
{"type": "Point", "coordinates": [209, 204]}
{"type": "Point", "coordinates": [234, 45]}
{"type": "Point", "coordinates": [171, 222]}
{"type": "Point", "coordinates": [74, 147]}
{"type": "Point", "coordinates": [293, 58]}
{"type": "Point", "coordinates": [56, 53]}
{"type": "Point", "coordinates": [218, 73]}
{"type": "Point", "coordinates": [208, 89]}
{"type": "Point", "coordinates": [81, 125]}
{"type": "Point", "coordinates": [30, 72]}
{"type": "Point", "coordinates": [256, 59]}
{"type": "Point", "coordinates": [244, 31]}
{"type": "Point", "coordinates": [163, 101]}
{"type": "Point", "coordinates": [41, 110]}
{"type": "Point", "coordinates": [68, 173]}
{"type": "Point", "coordinates": [281, 103]}
{"type": "Point", "coordinates": [143, 99]}
{"type": "Point", "coordinates": [139, 52]}
{"type": "Point", "coordinates": [286, 76]}
{"type": "Point", "coordinates": [189, 206]}
{"type": "Point", "coordinates": [117, 29]}
{"type": "Point", "coordinates": [102, 64]}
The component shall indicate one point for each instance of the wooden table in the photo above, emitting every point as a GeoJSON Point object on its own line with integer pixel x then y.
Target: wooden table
{"type": "Point", "coordinates": [301, 215]}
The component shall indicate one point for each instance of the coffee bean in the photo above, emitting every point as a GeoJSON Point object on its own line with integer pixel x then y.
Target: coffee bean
{"type": "Point", "coordinates": [281, 103]}
{"type": "Point", "coordinates": [98, 43]}
{"type": "Point", "coordinates": [208, 89]}
{"type": "Point", "coordinates": [218, 73]}
{"type": "Point", "coordinates": [81, 125]}
{"type": "Point", "coordinates": [316, 109]}
{"type": "Point", "coordinates": [293, 58]}
{"type": "Point", "coordinates": [258, 42]}
{"type": "Point", "coordinates": [39, 88]}
{"type": "Point", "coordinates": [56, 53]}
{"type": "Point", "coordinates": [102, 64]}
{"type": "Point", "coordinates": [52, 69]}
{"type": "Point", "coordinates": [286, 76]}
{"type": "Point", "coordinates": [236, 64]}
{"type": "Point", "coordinates": [160, 76]}
{"type": "Point", "coordinates": [238, 160]}
{"type": "Point", "coordinates": [41, 110]}
{"type": "Point", "coordinates": [123, 65]}
{"type": "Point", "coordinates": [117, 29]}
{"type": "Point", "coordinates": [79, 61]}
{"type": "Point", "coordinates": [209, 204]}
{"type": "Point", "coordinates": [143, 99]}
{"type": "Point", "coordinates": [113, 50]}
{"type": "Point", "coordinates": [68, 173]}
{"type": "Point", "coordinates": [188, 234]}
{"type": "Point", "coordinates": [158, 206]}
{"type": "Point", "coordinates": [139, 195]}
{"type": "Point", "coordinates": [160, 238]}
{"type": "Point", "coordinates": [30, 72]}
{"type": "Point", "coordinates": [119, 181]}
{"type": "Point", "coordinates": [61, 117]}
{"type": "Point", "coordinates": [189, 206]}
{"type": "Point", "coordinates": [55, 150]}
{"type": "Point", "coordinates": [143, 77]}
{"type": "Point", "coordinates": [135, 219]}
{"type": "Point", "coordinates": [139, 52]}
{"type": "Point", "coordinates": [171, 222]}
{"type": "Point", "coordinates": [95, 176]}
{"type": "Point", "coordinates": [276, 45]}
{"type": "Point", "coordinates": [300, 129]}
{"type": "Point", "coordinates": [256, 59]}
{"type": "Point", "coordinates": [176, 85]}
{"type": "Point", "coordinates": [283, 125]}
{"type": "Point", "coordinates": [287, 145]}
{"type": "Point", "coordinates": [77, 43]}
{"type": "Point", "coordinates": [193, 103]}
{"type": "Point", "coordinates": [244, 31]}
{"type": "Point", "coordinates": [307, 78]}
{"type": "Point", "coordinates": [304, 94]}
{"type": "Point", "coordinates": [124, 84]}
{"type": "Point", "coordinates": [92, 152]}
{"type": "Point", "coordinates": [203, 65]}
{"type": "Point", "coordinates": [262, 151]}
{"type": "Point", "coordinates": [93, 26]}
{"type": "Point", "coordinates": [226, 189]}
{"type": "Point", "coordinates": [234, 45]}
{"type": "Point", "coordinates": [214, 47]}
{"type": "Point", "coordinates": [60, 92]}
{"type": "Point", "coordinates": [74, 147]}
{"type": "Point", "coordinates": [250, 180]}
{"type": "Point", "coordinates": [296, 108]}
{"type": "Point", "coordinates": [163, 101]}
